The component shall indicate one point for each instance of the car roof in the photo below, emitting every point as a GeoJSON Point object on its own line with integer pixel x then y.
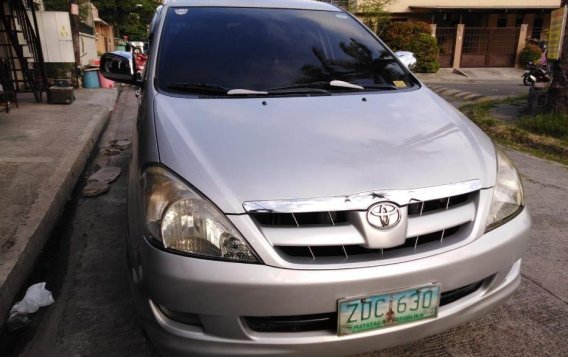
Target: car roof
{"type": "Point", "coordinates": [280, 4]}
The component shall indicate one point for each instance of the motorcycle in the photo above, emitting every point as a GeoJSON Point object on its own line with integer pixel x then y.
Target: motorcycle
{"type": "Point", "coordinates": [535, 73]}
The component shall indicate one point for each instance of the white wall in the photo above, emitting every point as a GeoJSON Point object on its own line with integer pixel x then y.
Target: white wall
{"type": "Point", "coordinates": [55, 36]}
{"type": "Point", "coordinates": [88, 45]}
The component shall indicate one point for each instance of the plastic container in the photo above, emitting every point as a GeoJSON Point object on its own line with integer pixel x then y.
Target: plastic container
{"type": "Point", "coordinates": [105, 83]}
{"type": "Point", "coordinates": [91, 79]}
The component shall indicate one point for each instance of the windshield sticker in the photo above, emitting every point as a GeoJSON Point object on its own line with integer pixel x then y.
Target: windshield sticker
{"type": "Point", "coordinates": [341, 16]}
{"type": "Point", "coordinates": [399, 84]}
{"type": "Point", "coordinates": [181, 11]}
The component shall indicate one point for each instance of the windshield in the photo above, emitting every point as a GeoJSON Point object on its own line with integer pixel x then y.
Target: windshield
{"type": "Point", "coordinates": [223, 49]}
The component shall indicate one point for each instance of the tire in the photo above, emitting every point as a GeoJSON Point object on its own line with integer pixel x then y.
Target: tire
{"type": "Point", "coordinates": [527, 81]}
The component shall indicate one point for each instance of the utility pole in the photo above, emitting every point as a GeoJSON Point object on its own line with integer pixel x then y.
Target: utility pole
{"type": "Point", "coordinates": [558, 90]}
{"type": "Point", "coordinates": [74, 17]}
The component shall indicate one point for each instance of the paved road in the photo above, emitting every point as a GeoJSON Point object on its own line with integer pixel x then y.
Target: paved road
{"type": "Point", "coordinates": [488, 89]}
{"type": "Point", "coordinates": [84, 265]}
{"type": "Point", "coordinates": [94, 315]}
{"type": "Point", "coordinates": [535, 320]}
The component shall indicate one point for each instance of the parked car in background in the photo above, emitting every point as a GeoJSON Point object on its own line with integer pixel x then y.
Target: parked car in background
{"type": "Point", "coordinates": [295, 190]}
{"type": "Point", "coordinates": [407, 58]}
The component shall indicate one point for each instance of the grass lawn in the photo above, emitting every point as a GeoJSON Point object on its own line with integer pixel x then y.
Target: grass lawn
{"type": "Point", "coordinates": [543, 135]}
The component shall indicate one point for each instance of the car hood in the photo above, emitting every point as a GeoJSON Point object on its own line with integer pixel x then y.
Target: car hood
{"type": "Point", "coordinates": [248, 149]}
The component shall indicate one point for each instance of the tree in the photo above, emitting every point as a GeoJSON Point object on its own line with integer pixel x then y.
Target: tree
{"type": "Point", "coordinates": [129, 17]}
{"type": "Point", "coordinates": [417, 38]}
{"type": "Point", "coordinates": [374, 13]}
{"type": "Point", "coordinates": [56, 5]}
{"type": "Point", "coordinates": [558, 90]}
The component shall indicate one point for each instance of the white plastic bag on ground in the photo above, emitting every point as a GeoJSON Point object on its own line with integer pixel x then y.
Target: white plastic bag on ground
{"type": "Point", "coordinates": [36, 296]}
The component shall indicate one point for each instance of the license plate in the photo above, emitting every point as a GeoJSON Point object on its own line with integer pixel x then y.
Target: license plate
{"type": "Point", "coordinates": [387, 309]}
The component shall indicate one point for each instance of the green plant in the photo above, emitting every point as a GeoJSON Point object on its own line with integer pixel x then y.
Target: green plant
{"type": "Point", "coordinates": [543, 135]}
{"type": "Point", "coordinates": [425, 48]}
{"type": "Point", "coordinates": [56, 70]}
{"type": "Point", "coordinates": [373, 13]}
{"type": "Point", "coordinates": [399, 34]}
{"type": "Point", "coordinates": [56, 5]}
{"type": "Point", "coordinates": [555, 125]}
{"type": "Point", "coordinates": [415, 37]}
{"type": "Point", "coordinates": [129, 17]}
{"type": "Point", "coordinates": [530, 53]}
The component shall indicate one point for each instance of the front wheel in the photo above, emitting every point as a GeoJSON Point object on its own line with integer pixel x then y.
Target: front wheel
{"type": "Point", "coordinates": [527, 80]}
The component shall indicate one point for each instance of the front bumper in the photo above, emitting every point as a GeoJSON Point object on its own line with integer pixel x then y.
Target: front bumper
{"type": "Point", "coordinates": [221, 293]}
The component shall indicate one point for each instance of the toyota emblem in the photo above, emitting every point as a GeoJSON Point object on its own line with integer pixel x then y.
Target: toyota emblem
{"type": "Point", "coordinates": [384, 215]}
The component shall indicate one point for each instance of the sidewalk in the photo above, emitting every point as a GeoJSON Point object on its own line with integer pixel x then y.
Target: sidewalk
{"type": "Point", "coordinates": [43, 149]}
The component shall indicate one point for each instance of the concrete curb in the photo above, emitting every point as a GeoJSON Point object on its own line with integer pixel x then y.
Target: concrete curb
{"type": "Point", "coordinates": [32, 235]}
{"type": "Point", "coordinates": [471, 75]}
{"type": "Point", "coordinates": [458, 94]}
{"type": "Point", "coordinates": [460, 72]}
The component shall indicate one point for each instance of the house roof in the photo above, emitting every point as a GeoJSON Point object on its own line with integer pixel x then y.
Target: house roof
{"type": "Point", "coordinates": [99, 20]}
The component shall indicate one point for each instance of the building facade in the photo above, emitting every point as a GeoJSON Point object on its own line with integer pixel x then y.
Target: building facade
{"type": "Point", "coordinates": [478, 13]}
{"type": "Point", "coordinates": [477, 33]}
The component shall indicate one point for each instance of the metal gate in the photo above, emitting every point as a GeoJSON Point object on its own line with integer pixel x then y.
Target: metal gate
{"type": "Point", "coordinates": [446, 37]}
{"type": "Point", "coordinates": [489, 47]}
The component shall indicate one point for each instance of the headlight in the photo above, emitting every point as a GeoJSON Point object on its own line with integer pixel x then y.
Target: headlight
{"type": "Point", "coordinates": [508, 198]}
{"type": "Point", "coordinates": [182, 220]}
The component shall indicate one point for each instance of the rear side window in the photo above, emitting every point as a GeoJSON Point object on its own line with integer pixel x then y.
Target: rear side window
{"type": "Point", "coordinates": [261, 49]}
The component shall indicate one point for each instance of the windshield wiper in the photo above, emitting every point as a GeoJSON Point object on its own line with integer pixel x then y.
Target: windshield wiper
{"type": "Point", "coordinates": [298, 89]}
{"type": "Point", "coordinates": [382, 86]}
{"type": "Point", "coordinates": [211, 88]}
{"type": "Point", "coordinates": [199, 88]}
{"type": "Point", "coordinates": [319, 87]}
{"type": "Point", "coordinates": [241, 91]}
{"type": "Point", "coordinates": [308, 85]}
{"type": "Point", "coordinates": [316, 88]}
{"type": "Point", "coordinates": [343, 84]}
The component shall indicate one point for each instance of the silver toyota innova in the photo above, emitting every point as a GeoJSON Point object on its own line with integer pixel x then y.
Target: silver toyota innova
{"type": "Point", "coordinates": [295, 190]}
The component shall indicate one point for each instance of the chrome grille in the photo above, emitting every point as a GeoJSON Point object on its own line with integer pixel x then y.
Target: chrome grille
{"type": "Point", "coordinates": [330, 218]}
{"type": "Point", "coordinates": [300, 219]}
{"type": "Point", "coordinates": [301, 236]}
{"type": "Point", "coordinates": [337, 253]}
{"type": "Point", "coordinates": [422, 207]}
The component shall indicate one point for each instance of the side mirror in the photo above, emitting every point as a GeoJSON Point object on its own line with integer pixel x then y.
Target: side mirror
{"type": "Point", "coordinates": [118, 66]}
